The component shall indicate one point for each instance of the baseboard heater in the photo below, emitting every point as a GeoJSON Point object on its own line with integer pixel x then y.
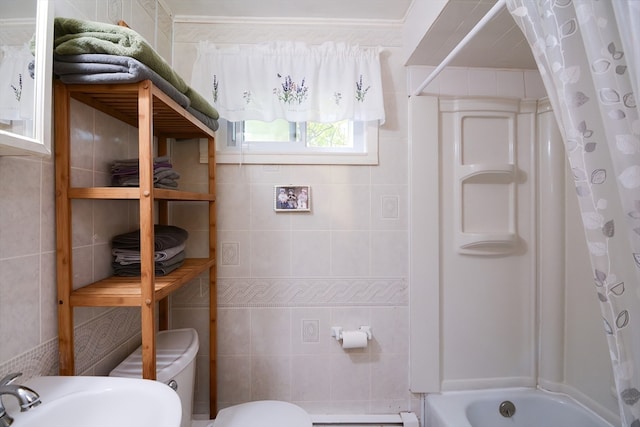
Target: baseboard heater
{"type": "Point", "coordinates": [404, 419]}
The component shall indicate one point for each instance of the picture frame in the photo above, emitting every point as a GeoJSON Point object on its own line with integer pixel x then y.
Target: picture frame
{"type": "Point", "coordinates": [291, 198]}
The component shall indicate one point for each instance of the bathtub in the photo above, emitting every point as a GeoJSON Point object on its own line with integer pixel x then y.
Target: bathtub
{"type": "Point", "coordinates": [482, 408]}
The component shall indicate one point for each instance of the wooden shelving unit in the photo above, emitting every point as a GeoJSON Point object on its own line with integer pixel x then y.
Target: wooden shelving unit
{"type": "Point", "coordinates": [144, 106]}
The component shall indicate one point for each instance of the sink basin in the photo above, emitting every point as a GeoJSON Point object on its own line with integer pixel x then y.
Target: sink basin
{"type": "Point", "coordinates": [98, 402]}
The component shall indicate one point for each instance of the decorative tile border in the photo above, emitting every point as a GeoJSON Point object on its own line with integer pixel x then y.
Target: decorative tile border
{"type": "Point", "coordinates": [317, 292]}
{"type": "Point", "coordinates": [94, 340]}
{"type": "Point", "coordinates": [39, 361]}
{"type": "Point", "coordinates": [97, 338]}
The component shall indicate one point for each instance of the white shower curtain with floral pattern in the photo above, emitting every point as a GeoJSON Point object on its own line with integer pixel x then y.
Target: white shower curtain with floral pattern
{"type": "Point", "coordinates": [587, 54]}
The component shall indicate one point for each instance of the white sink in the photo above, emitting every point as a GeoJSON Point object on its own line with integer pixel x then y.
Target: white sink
{"type": "Point", "coordinates": [97, 402]}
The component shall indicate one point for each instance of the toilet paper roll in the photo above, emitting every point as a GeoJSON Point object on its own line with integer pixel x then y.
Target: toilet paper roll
{"type": "Point", "coordinates": [354, 339]}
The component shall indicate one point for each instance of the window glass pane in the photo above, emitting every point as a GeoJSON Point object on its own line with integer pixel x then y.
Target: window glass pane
{"type": "Point", "coordinates": [325, 135]}
{"type": "Point", "coordinates": [283, 142]}
{"type": "Point", "coordinates": [278, 130]}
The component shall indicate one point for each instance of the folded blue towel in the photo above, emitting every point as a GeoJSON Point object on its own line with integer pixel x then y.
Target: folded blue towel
{"type": "Point", "coordinates": [162, 268]}
{"type": "Point", "coordinates": [165, 237]}
{"type": "Point", "coordinates": [94, 68]}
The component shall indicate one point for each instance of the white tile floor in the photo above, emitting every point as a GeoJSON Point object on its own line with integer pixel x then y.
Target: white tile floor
{"type": "Point", "coordinates": [201, 423]}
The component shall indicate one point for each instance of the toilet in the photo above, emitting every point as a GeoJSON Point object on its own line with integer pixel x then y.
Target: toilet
{"type": "Point", "coordinates": [176, 351]}
{"type": "Point", "coordinates": [263, 413]}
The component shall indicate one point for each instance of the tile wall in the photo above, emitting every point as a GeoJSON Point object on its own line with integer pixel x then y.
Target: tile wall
{"type": "Point", "coordinates": [28, 317]}
{"type": "Point", "coordinates": [283, 279]}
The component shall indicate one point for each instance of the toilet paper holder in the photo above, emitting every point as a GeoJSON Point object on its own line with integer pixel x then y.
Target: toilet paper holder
{"type": "Point", "coordinates": [336, 332]}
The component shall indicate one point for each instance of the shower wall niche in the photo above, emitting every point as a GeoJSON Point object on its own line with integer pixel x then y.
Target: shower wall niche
{"type": "Point", "coordinates": [485, 170]}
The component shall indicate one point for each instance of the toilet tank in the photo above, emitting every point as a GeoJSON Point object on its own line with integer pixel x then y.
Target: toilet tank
{"type": "Point", "coordinates": [176, 351]}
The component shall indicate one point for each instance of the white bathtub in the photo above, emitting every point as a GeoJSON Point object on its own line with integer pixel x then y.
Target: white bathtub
{"type": "Point", "coordinates": [533, 408]}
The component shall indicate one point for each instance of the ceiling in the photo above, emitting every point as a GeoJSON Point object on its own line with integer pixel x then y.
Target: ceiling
{"type": "Point", "coordinates": [499, 44]}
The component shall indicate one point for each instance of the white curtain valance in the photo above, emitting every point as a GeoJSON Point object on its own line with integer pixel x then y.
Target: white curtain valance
{"type": "Point", "coordinates": [291, 81]}
{"type": "Point", "coordinates": [17, 85]}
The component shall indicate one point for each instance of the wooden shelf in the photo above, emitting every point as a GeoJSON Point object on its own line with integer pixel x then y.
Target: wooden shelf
{"type": "Point", "coordinates": [117, 291]}
{"type": "Point", "coordinates": [158, 118]}
{"type": "Point", "coordinates": [121, 102]}
{"type": "Point", "coordinates": [133, 193]}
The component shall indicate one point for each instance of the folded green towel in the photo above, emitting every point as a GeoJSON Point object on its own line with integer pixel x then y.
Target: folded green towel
{"type": "Point", "coordinates": [199, 103]}
{"type": "Point", "coordinates": [76, 37]}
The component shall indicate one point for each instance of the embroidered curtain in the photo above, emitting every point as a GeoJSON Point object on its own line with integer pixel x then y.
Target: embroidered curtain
{"type": "Point", "coordinates": [291, 81]}
{"type": "Point", "coordinates": [587, 56]}
{"type": "Point", "coordinates": [16, 83]}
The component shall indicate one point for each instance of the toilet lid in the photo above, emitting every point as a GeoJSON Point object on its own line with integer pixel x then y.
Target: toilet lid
{"type": "Point", "coordinates": [263, 413]}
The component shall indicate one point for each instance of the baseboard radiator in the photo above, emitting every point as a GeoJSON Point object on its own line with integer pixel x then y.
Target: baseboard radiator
{"type": "Point", "coordinates": [403, 419]}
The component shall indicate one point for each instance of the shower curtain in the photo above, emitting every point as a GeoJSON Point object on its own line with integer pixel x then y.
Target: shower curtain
{"type": "Point", "coordinates": [587, 54]}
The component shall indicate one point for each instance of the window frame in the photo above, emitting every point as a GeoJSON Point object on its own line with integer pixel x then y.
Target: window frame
{"type": "Point", "coordinates": [294, 153]}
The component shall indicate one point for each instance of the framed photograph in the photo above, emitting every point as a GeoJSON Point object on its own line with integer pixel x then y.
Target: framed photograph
{"type": "Point", "coordinates": [292, 198]}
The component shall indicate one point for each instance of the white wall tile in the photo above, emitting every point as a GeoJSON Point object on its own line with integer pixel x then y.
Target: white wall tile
{"type": "Point", "coordinates": [109, 220]}
{"type": "Point", "coordinates": [510, 84]}
{"type": "Point", "coordinates": [350, 376]}
{"type": "Point", "coordinates": [20, 209]}
{"type": "Point", "coordinates": [270, 174]}
{"type": "Point", "coordinates": [234, 379]}
{"type": "Point", "coordinates": [238, 263]}
{"type": "Point", "coordinates": [310, 378]}
{"type": "Point", "coordinates": [389, 382]}
{"type": "Point", "coordinates": [389, 254]}
{"type": "Point", "coordinates": [482, 83]}
{"type": "Point", "coordinates": [311, 253]}
{"type": "Point", "coordinates": [142, 22]}
{"type": "Point", "coordinates": [389, 207]}
{"type": "Point", "coordinates": [193, 317]}
{"type": "Point", "coordinates": [20, 282]}
{"type": "Point", "coordinates": [354, 175]}
{"type": "Point", "coordinates": [351, 207]}
{"type": "Point", "coordinates": [454, 81]}
{"type": "Point", "coordinates": [270, 331]}
{"type": "Point", "coordinates": [271, 378]}
{"type": "Point", "coordinates": [389, 326]}
{"type": "Point", "coordinates": [82, 136]}
{"type": "Point", "coordinates": [313, 314]}
{"type": "Point", "coordinates": [271, 253]}
{"type": "Point", "coordinates": [232, 174]}
{"type": "Point", "coordinates": [234, 331]}
{"type": "Point", "coordinates": [233, 204]}
{"type": "Point", "coordinates": [111, 142]}
{"type": "Point", "coordinates": [534, 87]}
{"type": "Point", "coordinates": [350, 253]}
{"type": "Point", "coordinates": [394, 157]}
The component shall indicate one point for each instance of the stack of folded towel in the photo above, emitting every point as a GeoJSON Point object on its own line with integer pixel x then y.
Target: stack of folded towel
{"type": "Point", "coordinates": [169, 244]}
{"type": "Point", "coordinates": [125, 173]}
{"type": "Point", "coordinates": [88, 52]}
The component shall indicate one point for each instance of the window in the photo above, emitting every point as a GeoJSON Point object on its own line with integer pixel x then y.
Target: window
{"type": "Point", "coordinates": [283, 142]}
{"type": "Point", "coordinates": [277, 96]}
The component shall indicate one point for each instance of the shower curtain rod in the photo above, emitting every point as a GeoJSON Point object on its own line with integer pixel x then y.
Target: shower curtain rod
{"type": "Point", "coordinates": [486, 18]}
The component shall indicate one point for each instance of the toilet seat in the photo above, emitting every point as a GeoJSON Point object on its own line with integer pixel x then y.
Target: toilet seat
{"type": "Point", "coordinates": [263, 413]}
